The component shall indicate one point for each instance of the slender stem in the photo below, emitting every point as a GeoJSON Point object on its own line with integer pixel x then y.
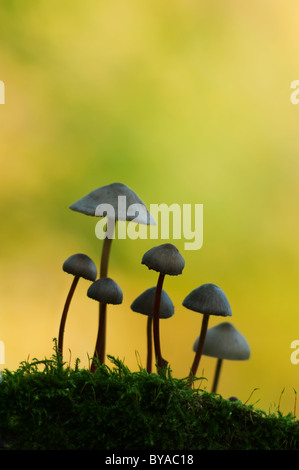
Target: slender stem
{"type": "Point", "coordinates": [105, 257]}
{"type": "Point", "coordinates": [204, 327]}
{"type": "Point", "coordinates": [100, 343]}
{"type": "Point", "coordinates": [65, 312]}
{"type": "Point", "coordinates": [160, 361]}
{"type": "Point", "coordinates": [216, 376]}
{"type": "Point", "coordinates": [100, 349]}
{"type": "Point", "coordinates": [149, 344]}
{"type": "Point", "coordinates": [101, 338]}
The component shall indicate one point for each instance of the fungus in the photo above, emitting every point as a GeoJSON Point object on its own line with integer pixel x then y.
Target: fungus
{"type": "Point", "coordinates": [165, 259]}
{"type": "Point", "coordinates": [233, 399]}
{"type": "Point", "coordinates": [145, 304]}
{"type": "Point", "coordinates": [105, 291]}
{"type": "Point", "coordinates": [224, 341]}
{"type": "Point", "coordinates": [207, 299]}
{"type": "Point", "coordinates": [79, 265]}
{"type": "Point", "coordinates": [115, 198]}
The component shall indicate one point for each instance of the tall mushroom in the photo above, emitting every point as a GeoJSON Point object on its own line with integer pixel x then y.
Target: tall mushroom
{"type": "Point", "coordinates": [207, 299]}
{"type": "Point", "coordinates": [165, 259]}
{"type": "Point", "coordinates": [119, 198]}
{"type": "Point", "coordinates": [79, 265]}
{"type": "Point", "coordinates": [145, 304]}
{"type": "Point", "coordinates": [106, 291]}
{"type": "Point", "coordinates": [224, 341]}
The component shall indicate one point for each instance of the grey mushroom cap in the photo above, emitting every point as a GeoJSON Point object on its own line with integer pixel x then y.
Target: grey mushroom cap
{"type": "Point", "coordinates": [165, 259]}
{"type": "Point", "coordinates": [80, 265]}
{"type": "Point", "coordinates": [224, 341]}
{"type": "Point", "coordinates": [106, 291]}
{"type": "Point", "coordinates": [94, 203]}
{"type": "Point", "coordinates": [145, 303]}
{"type": "Point", "coordinates": [208, 299]}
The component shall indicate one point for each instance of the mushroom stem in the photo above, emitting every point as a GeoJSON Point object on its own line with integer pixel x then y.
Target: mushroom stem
{"type": "Point", "coordinates": [216, 376]}
{"type": "Point", "coordinates": [149, 344]}
{"type": "Point", "coordinates": [160, 361]}
{"type": "Point", "coordinates": [105, 257]}
{"type": "Point", "coordinates": [204, 327]}
{"type": "Point", "coordinates": [101, 339]}
{"type": "Point", "coordinates": [100, 343]}
{"type": "Point", "coordinates": [65, 312]}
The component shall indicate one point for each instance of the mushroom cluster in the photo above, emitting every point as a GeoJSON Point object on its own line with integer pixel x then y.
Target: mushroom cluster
{"type": "Point", "coordinates": [222, 341]}
{"type": "Point", "coordinates": [165, 259]}
{"type": "Point", "coordinates": [100, 203]}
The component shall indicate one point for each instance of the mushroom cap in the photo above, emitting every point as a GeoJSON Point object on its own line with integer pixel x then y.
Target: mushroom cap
{"type": "Point", "coordinates": [208, 299]}
{"type": "Point", "coordinates": [106, 291]}
{"type": "Point", "coordinates": [224, 341]}
{"type": "Point", "coordinates": [109, 194]}
{"type": "Point", "coordinates": [80, 265]}
{"type": "Point", "coordinates": [145, 304]}
{"type": "Point", "coordinates": [165, 259]}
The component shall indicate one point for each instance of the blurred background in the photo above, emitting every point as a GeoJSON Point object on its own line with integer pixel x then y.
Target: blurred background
{"type": "Point", "coordinates": [185, 102]}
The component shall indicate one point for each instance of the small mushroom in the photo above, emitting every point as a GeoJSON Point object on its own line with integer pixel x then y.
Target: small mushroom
{"type": "Point", "coordinates": [145, 304]}
{"type": "Point", "coordinates": [165, 259]}
{"type": "Point", "coordinates": [224, 341]}
{"type": "Point", "coordinates": [94, 204]}
{"type": "Point", "coordinates": [79, 265]}
{"type": "Point", "coordinates": [233, 399]}
{"type": "Point", "coordinates": [207, 299]}
{"type": "Point", "coordinates": [109, 194]}
{"type": "Point", "coordinates": [105, 291]}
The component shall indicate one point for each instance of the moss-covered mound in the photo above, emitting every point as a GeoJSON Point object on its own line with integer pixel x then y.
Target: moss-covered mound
{"type": "Point", "coordinates": [47, 405]}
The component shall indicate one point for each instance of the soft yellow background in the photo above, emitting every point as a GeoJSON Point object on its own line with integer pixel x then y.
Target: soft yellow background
{"type": "Point", "coordinates": [185, 101]}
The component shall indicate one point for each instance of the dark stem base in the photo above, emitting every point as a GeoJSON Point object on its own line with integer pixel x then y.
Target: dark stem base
{"type": "Point", "coordinates": [159, 359]}
{"type": "Point", "coordinates": [64, 314]}
{"type": "Point", "coordinates": [217, 375]}
{"type": "Point", "coordinates": [204, 327]}
{"type": "Point", "coordinates": [149, 344]}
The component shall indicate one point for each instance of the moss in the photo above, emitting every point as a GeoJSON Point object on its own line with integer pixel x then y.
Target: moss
{"type": "Point", "coordinates": [47, 405]}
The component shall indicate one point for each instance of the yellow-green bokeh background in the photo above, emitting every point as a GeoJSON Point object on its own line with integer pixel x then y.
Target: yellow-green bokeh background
{"type": "Point", "coordinates": [185, 101]}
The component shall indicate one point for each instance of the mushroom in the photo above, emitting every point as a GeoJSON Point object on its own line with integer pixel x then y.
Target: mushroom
{"type": "Point", "coordinates": [224, 341]}
{"type": "Point", "coordinates": [165, 259]}
{"type": "Point", "coordinates": [79, 265]}
{"type": "Point", "coordinates": [207, 299]}
{"type": "Point", "coordinates": [97, 203]}
{"type": "Point", "coordinates": [105, 291]}
{"type": "Point", "coordinates": [233, 399]}
{"type": "Point", "coordinates": [145, 304]}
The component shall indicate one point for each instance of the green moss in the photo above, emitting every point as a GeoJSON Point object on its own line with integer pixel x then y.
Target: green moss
{"type": "Point", "coordinates": [47, 405]}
